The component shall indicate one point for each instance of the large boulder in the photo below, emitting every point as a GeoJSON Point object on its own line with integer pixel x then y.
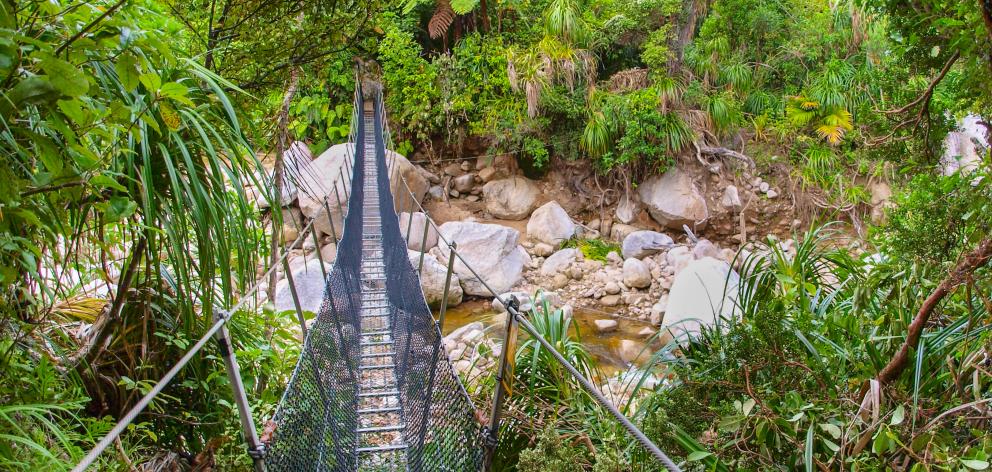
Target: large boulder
{"type": "Point", "coordinates": [641, 244]}
{"type": "Point", "coordinates": [963, 147]}
{"type": "Point", "coordinates": [673, 200]}
{"type": "Point", "coordinates": [705, 290]}
{"type": "Point", "coordinates": [296, 161]}
{"type": "Point", "coordinates": [550, 224]}
{"type": "Point", "coordinates": [511, 199]}
{"type": "Point", "coordinates": [432, 279]}
{"type": "Point", "coordinates": [491, 250]}
{"type": "Point", "coordinates": [416, 227]}
{"type": "Point", "coordinates": [559, 261]}
{"type": "Point", "coordinates": [322, 180]}
{"type": "Point", "coordinates": [309, 282]}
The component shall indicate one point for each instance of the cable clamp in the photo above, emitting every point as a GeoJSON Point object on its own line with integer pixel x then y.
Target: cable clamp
{"type": "Point", "coordinates": [259, 453]}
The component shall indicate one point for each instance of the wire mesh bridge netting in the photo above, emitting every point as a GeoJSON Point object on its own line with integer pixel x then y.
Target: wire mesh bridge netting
{"type": "Point", "coordinates": [373, 388]}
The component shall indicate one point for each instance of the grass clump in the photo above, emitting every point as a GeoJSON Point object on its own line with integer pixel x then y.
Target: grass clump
{"type": "Point", "coordinates": [595, 249]}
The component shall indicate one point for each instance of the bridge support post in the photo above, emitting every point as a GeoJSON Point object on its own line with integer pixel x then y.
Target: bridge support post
{"type": "Point", "coordinates": [423, 243]}
{"type": "Point", "coordinates": [447, 285]}
{"type": "Point", "coordinates": [409, 223]}
{"type": "Point", "coordinates": [320, 257]}
{"type": "Point", "coordinates": [337, 196]}
{"type": "Point", "coordinates": [256, 449]}
{"type": "Point", "coordinates": [343, 186]}
{"type": "Point", "coordinates": [296, 297]}
{"type": "Point", "coordinates": [504, 375]}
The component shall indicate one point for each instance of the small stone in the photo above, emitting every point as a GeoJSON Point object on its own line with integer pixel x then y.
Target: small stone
{"type": "Point", "coordinates": [436, 192]}
{"type": "Point", "coordinates": [731, 199]}
{"type": "Point", "coordinates": [771, 193]}
{"type": "Point", "coordinates": [466, 166]}
{"type": "Point", "coordinates": [610, 300]}
{"type": "Point", "coordinates": [487, 174]}
{"type": "Point", "coordinates": [645, 332]}
{"type": "Point", "coordinates": [559, 281]}
{"type": "Point", "coordinates": [605, 326]}
{"type": "Point", "coordinates": [705, 248]}
{"type": "Point", "coordinates": [636, 273]}
{"type": "Point", "coordinates": [453, 170]}
{"type": "Point", "coordinates": [612, 288]}
{"type": "Point", "coordinates": [632, 351]}
{"type": "Point", "coordinates": [763, 187]}
{"type": "Point", "coordinates": [614, 259]}
{"type": "Point", "coordinates": [542, 250]}
{"type": "Point", "coordinates": [472, 198]}
{"type": "Point", "coordinates": [454, 193]}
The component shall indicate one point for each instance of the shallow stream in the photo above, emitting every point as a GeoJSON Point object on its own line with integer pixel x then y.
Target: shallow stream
{"type": "Point", "coordinates": [604, 348]}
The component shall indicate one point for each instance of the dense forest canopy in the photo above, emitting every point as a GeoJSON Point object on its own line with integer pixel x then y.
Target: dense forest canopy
{"type": "Point", "coordinates": [135, 133]}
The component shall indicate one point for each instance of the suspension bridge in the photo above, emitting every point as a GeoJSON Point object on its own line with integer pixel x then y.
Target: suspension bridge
{"type": "Point", "coordinates": [373, 389]}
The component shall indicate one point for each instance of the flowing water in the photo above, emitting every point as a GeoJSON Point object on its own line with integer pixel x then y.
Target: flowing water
{"type": "Point", "coordinates": [603, 348]}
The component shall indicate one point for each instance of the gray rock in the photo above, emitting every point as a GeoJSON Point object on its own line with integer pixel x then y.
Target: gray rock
{"type": "Point", "coordinates": [511, 199]}
{"type": "Point", "coordinates": [613, 258]}
{"type": "Point", "coordinates": [550, 224]}
{"type": "Point", "coordinates": [559, 261]}
{"type": "Point", "coordinates": [491, 250]}
{"type": "Point", "coordinates": [641, 244]}
{"type": "Point", "coordinates": [309, 282]}
{"type": "Point", "coordinates": [542, 250]}
{"type": "Point", "coordinates": [636, 273]}
{"type": "Point", "coordinates": [463, 183]}
{"type": "Point", "coordinates": [526, 301]}
{"type": "Point", "coordinates": [436, 192]}
{"type": "Point", "coordinates": [612, 288]}
{"type": "Point", "coordinates": [432, 280]}
{"type": "Point", "coordinates": [329, 252]}
{"type": "Point", "coordinates": [610, 300]}
{"type": "Point", "coordinates": [763, 187]}
{"type": "Point", "coordinates": [771, 193]}
{"type": "Point", "coordinates": [673, 200]}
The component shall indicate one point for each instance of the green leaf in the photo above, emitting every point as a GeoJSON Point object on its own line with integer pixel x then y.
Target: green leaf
{"type": "Point", "coordinates": [127, 71]}
{"type": "Point", "coordinates": [975, 464]}
{"type": "Point", "coordinates": [831, 429]}
{"type": "Point", "coordinates": [37, 90]}
{"type": "Point", "coordinates": [151, 81]}
{"type": "Point", "coordinates": [69, 79]}
{"type": "Point", "coordinates": [698, 456]}
{"type": "Point", "coordinates": [106, 181]}
{"type": "Point", "coordinates": [462, 7]}
{"type": "Point", "coordinates": [74, 110]}
{"type": "Point", "coordinates": [808, 454]}
{"type": "Point", "coordinates": [898, 416]}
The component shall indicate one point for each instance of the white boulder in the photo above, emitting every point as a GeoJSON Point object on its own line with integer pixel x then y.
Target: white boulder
{"type": "Point", "coordinates": [705, 291]}
{"type": "Point", "coordinates": [550, 224]}
{"type": "Point", "coordinates": [432, 280]}
{"type": "Point", "coordinates": [559, 261]}
{"type": "Point", "coordinates": [416, 226]}
{"type": "Point", "coordinates": [636, 273]}
{"type": "Point", "coordinates": [511, 199]}
{"type": "Point", "coordinates": [491, 250]}
{"type": "Point", "coordinates": [673, 200]}
{"type": "Point", "coordinates": [309, 282]}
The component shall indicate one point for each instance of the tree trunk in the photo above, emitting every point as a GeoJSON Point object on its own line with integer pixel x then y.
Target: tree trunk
{"type": "Point", "coordinates": [691, 11]}
{"type": "Point", "coordinates": [972, 261]}
{"type": "Point", "coordinates": [275, 240]}
{"type": "Point", "coordinates": [484, 15]}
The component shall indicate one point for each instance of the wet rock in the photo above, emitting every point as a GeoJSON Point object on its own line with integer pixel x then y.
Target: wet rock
{"type": "Point", "coordinates": [641, 244]}
{"type": "Point", "coordinates": [632, 351]}
{"type": "Point", "coordinates": [636, 273]}
{"type": "Point", "coordinates": [511, 199]}
{"type": "Point", "coordinates": [673, 200]}
{"type": "Point", "coordinates": [646, 332]}
{"type": "Point", "coordinates": [492, 250]}
{"type": "Point", "coordinates": [605, 326]}
{"type": "Point", "coordinates": [550, 224]}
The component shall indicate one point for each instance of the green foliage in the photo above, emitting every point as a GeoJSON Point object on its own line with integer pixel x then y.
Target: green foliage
{"type": "Point", "coordinates": [551, 454]}
{"type": "Point", "coordinates": [410, 82]}
{"type": "Point", "coordinates": [594, 249]}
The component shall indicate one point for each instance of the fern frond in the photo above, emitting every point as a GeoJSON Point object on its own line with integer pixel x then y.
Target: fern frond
{"type": "Point", "coordinates": [443, 16]}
